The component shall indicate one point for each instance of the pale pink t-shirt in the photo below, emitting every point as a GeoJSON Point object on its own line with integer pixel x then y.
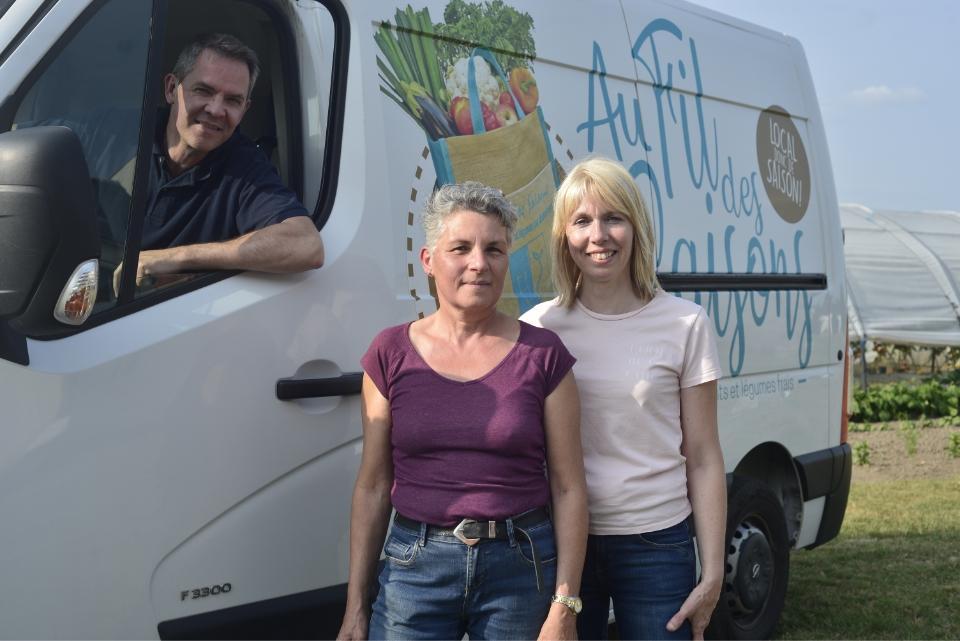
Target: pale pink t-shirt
{"type": "Point", "coordinates": [630, 369]}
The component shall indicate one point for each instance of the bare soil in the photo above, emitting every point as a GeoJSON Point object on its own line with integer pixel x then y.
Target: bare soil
{"type": "Point", "coordinates": [891, 461]}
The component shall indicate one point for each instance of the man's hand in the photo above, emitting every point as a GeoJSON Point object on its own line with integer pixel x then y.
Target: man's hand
{"type": "Point", "coordinates": [698, 608]}
{"type": "Point", "coordinates": [153, 265]}
{"type": "Point", "coordinates": [561, 624]}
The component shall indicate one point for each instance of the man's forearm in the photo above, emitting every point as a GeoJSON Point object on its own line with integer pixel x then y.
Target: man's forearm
{"type": "Point", "coordinates": [293, 245]}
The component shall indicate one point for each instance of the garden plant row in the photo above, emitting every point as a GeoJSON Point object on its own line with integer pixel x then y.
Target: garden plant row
{"type": "Point", "coordinates": [934, 398]}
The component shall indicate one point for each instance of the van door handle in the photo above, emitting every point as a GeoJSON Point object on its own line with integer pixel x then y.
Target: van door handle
{"type": "Point", "coordinates": [289, 389]}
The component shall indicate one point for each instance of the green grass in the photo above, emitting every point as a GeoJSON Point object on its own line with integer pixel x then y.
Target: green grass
{"type": "Point", "coordinates": [893, 573]}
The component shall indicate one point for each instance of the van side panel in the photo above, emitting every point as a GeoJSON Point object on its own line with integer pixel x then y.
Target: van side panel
{"type": "Point", "coordinates": [716, 96]}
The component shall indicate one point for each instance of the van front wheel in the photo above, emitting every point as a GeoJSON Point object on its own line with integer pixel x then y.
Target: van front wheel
{"type": "Point", "coordinates": [757, 564]}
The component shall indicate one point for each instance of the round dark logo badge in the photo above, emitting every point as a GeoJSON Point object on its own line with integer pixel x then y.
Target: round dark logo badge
{"type": "Point", "coordinates": [783, 164]}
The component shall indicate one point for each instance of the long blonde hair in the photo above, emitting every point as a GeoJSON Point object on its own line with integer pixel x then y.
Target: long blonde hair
{"type": "Point", "coordinates": [611, 184]}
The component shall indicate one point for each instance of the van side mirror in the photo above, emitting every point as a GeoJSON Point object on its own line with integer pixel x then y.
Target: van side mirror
{"type": "Point", "coordinates": [48, 229]}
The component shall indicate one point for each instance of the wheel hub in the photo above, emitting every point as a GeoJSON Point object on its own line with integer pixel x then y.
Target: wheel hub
{"type": "Point", "coordinates": [749, 576]}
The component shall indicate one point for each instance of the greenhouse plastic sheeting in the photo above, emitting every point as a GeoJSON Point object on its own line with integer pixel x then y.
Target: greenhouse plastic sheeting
{"type": "Point", "coordinates": [903, 271]}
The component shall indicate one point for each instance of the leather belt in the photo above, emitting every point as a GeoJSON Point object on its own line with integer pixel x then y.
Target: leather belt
{"type": "Point", "coordinates": [471, 531]}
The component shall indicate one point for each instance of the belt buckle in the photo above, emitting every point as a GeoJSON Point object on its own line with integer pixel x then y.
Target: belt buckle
{"type": "Point", "coordinates": [458, 532]}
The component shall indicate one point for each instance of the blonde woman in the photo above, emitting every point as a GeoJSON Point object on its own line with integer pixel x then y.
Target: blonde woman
{"type": "Point", "coordinates": [646, 370]}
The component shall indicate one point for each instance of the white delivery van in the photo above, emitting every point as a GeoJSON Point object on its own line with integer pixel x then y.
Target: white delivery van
{"type": "Point", "coordinates": [179, 464]}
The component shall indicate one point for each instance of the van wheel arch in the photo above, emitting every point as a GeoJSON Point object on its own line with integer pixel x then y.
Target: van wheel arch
{"type": "Point", "coordinates": [771, 465]}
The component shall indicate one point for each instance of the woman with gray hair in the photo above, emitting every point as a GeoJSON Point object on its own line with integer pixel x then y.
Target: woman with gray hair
{"type": "Point", "coordinates": [463, 411]}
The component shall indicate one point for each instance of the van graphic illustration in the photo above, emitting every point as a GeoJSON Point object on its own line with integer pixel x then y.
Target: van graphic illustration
{"type": "Point", "coordinates": [783, 164]}
{"type": "Point", "coordinates": [479, 111]}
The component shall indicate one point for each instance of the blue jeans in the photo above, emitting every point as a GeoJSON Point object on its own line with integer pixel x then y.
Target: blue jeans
{"type": "Point", "coordinates": [432, 586]}
{"type": "Point", "coordinates": [648, 576]}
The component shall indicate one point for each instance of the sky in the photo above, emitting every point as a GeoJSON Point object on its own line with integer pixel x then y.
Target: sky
{"type": "Point", "coordinates": [887, 75]}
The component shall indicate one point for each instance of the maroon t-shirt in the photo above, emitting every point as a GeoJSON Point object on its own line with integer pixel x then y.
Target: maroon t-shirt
{"type": "Point", "coordinates": [473, 449]}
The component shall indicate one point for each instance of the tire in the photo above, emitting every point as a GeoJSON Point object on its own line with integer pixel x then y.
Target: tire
{"type": "Point", "coordinates": [757, 564]}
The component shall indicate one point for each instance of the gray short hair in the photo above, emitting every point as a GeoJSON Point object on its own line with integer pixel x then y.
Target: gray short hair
{"type": "Point", "coordinates": [222, 44]}
{"type": "Point", "coordinates": [466, 196]}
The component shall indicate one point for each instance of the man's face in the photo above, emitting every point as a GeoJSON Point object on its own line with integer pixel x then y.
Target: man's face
{"type": "Point", "coordinates": [210, 102]}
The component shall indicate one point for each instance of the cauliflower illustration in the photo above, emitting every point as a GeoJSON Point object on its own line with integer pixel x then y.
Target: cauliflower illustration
{"type": "Point", "coordinates": [488, 87]}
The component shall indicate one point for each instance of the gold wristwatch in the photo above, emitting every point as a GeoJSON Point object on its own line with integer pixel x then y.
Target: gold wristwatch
{"type": "Point", "coordinates": [572, 602]}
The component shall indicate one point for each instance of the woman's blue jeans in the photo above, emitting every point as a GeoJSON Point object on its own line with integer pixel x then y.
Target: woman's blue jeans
{"type": "Point", "coordinates": [433, 586]}
{"type": "Point", "coordinates": [648, 576]}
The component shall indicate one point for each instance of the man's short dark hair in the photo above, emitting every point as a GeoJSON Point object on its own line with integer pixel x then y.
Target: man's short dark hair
{"type": "Point", "coordinates": [222, 44]}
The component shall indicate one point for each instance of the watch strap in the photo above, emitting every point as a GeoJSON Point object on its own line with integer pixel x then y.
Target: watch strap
{"type": "Point", "coordinates": [572, 602]}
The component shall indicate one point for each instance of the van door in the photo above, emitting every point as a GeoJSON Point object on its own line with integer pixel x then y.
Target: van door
{"type": "Point", "coordinates": [149, 472]}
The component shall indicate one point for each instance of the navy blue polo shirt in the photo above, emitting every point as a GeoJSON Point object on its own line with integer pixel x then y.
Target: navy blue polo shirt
{"type": "Point", "coordinates": [234, 190]}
